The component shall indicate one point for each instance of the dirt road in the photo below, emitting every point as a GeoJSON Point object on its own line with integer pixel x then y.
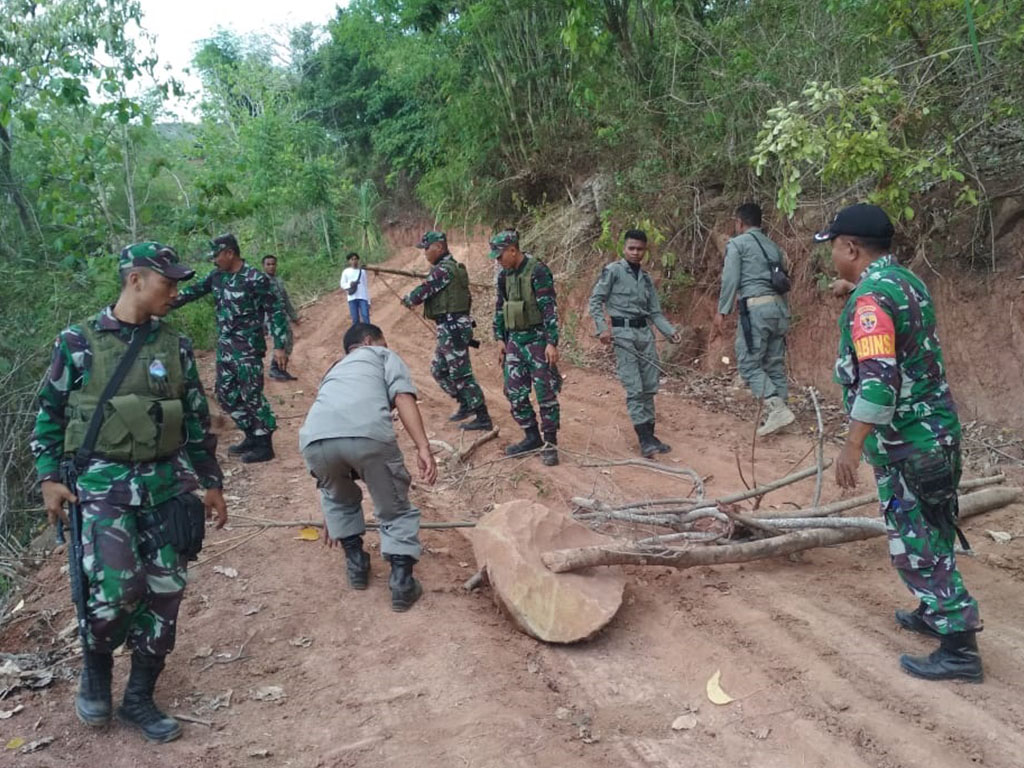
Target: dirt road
{"type": "Point", "coordinates": [807, 645]}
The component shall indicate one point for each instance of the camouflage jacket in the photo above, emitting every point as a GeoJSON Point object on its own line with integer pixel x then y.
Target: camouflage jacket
{"type": "Point", "coordinates": [286, 301]}
{"type": "Point", "coordinates": [243, 302]}
{"type": "Point", "coordinates": [436, 282]}
{"type": "Point", "coordinates": [135, 483]}
{"type": "Point", "coordinates": [544, 290]}
{"type": "Point", "coordinates": [624, 293]}
{"type": "Point", "coordinates": [890, 365]}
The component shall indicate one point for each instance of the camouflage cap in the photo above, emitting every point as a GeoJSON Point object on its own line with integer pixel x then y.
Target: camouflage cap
{"type": "Point", "coordinates": [156, 256]}
{"type": "Point", "coordinates": [223, 243]}
{"type": "Point", "coordinates": [503, 240]}
{"type": "Point", "coordinates": [431, 237]}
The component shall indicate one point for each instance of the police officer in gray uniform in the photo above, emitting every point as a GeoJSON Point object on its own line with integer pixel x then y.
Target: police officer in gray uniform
{"type": "Point", "coordinates": [348, 434]}
{"type": "Point", "coordinates": [764, 315]}
{"type": "Point", "coordinates": [627, 293]}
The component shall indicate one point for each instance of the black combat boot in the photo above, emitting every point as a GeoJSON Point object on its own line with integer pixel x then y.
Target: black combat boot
{"type": "Point", "coordinates": [549, 455]}
{"type": "Point", "coordinates": [462, 414]}
{"type": "Point", "coordinates": [662, 447]}
{"type": "Point", "coordinates": [92, 702]}
{"type": "Point", "coordinates": [262, 450]}
{"type": "Point", "coordinates": [405, 590]}
{"type": "Point", "coordinates": [481, 422]}
{"type": "Point", "coordinates": [278, 374]}
{"type": "Point", "coordinates": [913, 621]}
{"type": "Point", "coordinates": [138, 708]}
{"type": "Point", "coordinates": [956, 658]}
{"type": "Point", "coordinates": [243, 447]}
{"type": "Point", "coordinates": [531, 442]}
{"type": "Point", "coordinates": [357, 562]}
{"type": "Point", "coordinates": [645, 436]}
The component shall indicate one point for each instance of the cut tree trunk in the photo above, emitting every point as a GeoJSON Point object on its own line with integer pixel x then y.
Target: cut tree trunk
{"type": "Point", "coordinates": [564, 560]}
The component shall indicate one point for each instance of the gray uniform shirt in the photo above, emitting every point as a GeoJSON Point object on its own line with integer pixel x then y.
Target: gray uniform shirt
{"type": "Point", "coordinates": [623, 295]}
{"type": "Point", "coordinates": [746, 272]}
{"type": "Point", "coordinates": [356, 396]}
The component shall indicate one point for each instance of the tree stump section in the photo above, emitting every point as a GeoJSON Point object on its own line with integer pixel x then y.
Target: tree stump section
{"type": "Point", "coordinates": [552, 607]}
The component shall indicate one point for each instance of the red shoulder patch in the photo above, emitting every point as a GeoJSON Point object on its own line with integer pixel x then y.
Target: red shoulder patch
{"type": "Point", "coordinates": [874, 335]}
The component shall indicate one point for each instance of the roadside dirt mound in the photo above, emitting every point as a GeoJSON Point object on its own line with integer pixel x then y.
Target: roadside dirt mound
{"type": "Point", "coordinates": [291, 668]}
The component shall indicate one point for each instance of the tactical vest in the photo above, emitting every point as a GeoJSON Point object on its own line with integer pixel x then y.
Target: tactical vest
{"type": "Point", "coordinates": [454, 297]}
{"type": "Point", "coordinates": [144, 420]}
{"type": "Point", "coordinates": [522, 311]}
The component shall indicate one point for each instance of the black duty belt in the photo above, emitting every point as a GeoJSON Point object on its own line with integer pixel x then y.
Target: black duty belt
{"type": "Point", "coordinates": [629, 322]}
{"type": "Point", "coordinates": [449, 317]}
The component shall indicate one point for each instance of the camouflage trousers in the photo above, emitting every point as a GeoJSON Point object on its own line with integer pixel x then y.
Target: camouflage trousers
{"type": "Point", "coordinates": [636, 362]}
{"type": "Point", "coordinates": [526, 368]}
{"type": "Point", "coordinates": [451, 366]}
{"type": "Point", "coordinates": [923, 553]}
{"type": "Point", "coordinates": [132, 598]}
{"type": "Point", "coordinates": [239, 391]}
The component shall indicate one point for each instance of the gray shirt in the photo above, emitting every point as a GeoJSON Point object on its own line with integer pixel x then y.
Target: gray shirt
{"type": "Point", "coordinates": [356, 397]}
{"type": "Point", "coordinates": [624, 294]}
{"type": "Point", "coordinates": [746, 272]}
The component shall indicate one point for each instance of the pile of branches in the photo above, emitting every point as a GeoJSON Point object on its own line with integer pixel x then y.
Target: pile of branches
{"type": "Point", "coordinates": [697, 531]}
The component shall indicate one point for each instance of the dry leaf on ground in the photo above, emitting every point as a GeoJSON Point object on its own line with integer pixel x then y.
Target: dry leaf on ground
{"type": "Point", "coordinates": [309, 534]}
{"type": "Point", "coordinates": [714, 689]}
{"type": "Point", "coordinates": [231, 573]}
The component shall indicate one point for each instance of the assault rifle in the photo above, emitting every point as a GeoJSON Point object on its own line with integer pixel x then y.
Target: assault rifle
{"type": "Point", "coordinates": [79, 590]}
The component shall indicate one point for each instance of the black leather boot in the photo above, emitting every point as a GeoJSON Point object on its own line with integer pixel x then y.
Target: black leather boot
{"type": "Point", "coordinates": [913, 621]}
{"type": "Point", "coordinates": [956, 658]}
{"type": "Point", "coordinates": [462, 414]}
{"type": "Point", "coordinates": [357, 562]}
{"type": "Point", "coordinates": [92, 702]}
{"type": "Point", "coordinates": [405, 590]}
{"type": "Point", "coordinates": [662, 447]}
{"type": "Point", "coordinates": [645, 436]}
{"type": "Point", "coordinates": [138, 708]}
{"type": "Point", "coordinates": [531, 442]}
{"type": "Point", "coordinates": [549, 455]}
{"type": "Point", "coordinates": [278, 374]}
{"type": "Point", "coordinates": [481, 422]}
{"type": "Point", "coordinates": [243, 447]}
{"type": "Point", "coordinates": [262, 450]}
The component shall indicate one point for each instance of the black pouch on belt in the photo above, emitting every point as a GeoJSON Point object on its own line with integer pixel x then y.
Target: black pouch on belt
{"type": "Point", "coordinates": [932, 479]}
{"type": "Point", "coordinates": [180, 522]}
{"type": "Point", "coordinates": [748, 331]}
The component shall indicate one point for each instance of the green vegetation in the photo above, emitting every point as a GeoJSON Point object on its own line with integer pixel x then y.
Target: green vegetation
{"type": "Point", "coordinates": [478, 111]}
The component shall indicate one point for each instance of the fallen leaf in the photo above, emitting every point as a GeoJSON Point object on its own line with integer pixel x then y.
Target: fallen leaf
{"type": "Point", "coordinates": [999, 537]}
{"type": "Point", "coordinates": [15, 743]}
{"type": "Point", "coordinates": [762, 732]}
{"type": "Point", "coordinates": [231, 573]}
{"type": "Point", "coordinates": [5, 715]}
{"type": "Point", "coordinates": [309, 533]}
{"type": "Point", "coordinates": [260, 753]}
{"type": "Point", "coordinates": [684, 723]}
{"type": "Point", "coordinates": [203, 653]}
{"type": "Point", "coordinates": [19, 606]}
{"type": "Point", "coordinates": [463, 564]}
{"type": "Point", "coordinates": [714, 689]}
{"type": "Point", "coordinates": [253, 609]}
{"type": "Point", "coordinates": [36, 745]}
{"type": "Point", "coordinates": [269, 693]}
{"type": "Point", "coordinates": [301, 642]}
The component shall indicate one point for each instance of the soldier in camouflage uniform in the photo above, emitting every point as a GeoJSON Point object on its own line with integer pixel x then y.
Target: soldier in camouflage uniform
{"type": "Point", "coordinates": [447, 301]}
{"type": "Point", "coordinates": [903, 418]}
{"type": "Point", "coordinates": [269, 264]}
{"type": "Point", "coordinates": [244, 298]}
{"type": "Point", "coordinates": [627, 292]}
{"type": "Point", "coordinates": [526, 323]}
{"type": "Point", "coordinates": [139, 465]}
{"type": "Point", "coordinates": [764, 315]}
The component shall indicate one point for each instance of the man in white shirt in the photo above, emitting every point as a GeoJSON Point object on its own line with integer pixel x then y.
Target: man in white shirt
{"type": "Point", "coordinates": [353, 282]}
{"type": "Point", "coordinates": [348, 433]}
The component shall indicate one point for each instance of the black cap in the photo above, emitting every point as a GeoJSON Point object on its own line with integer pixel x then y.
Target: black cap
{"type": "Point", "coordinates": [861, 220]}
{"type": "Point", "coordinates": [223, 243]}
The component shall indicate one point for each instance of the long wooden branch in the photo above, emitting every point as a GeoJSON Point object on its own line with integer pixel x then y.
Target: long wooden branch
{"type": "Point", "coordinates": [419, 275]}
{"type": "Point", "coordinates": [563, 560]}
{"type": "Point", "coordinates": [654, 466]}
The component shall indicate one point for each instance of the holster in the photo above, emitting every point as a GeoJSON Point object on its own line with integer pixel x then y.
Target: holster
{"type": "Point", "coordinates": [748, 332]}
{"type": "Point", "coordinates": [932, 478]}
{"type": "Point", "coordinates": [180, 522]}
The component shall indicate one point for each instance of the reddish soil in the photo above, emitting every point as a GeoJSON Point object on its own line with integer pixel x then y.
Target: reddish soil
{"type": "Point", "coordinates": [806, 645]}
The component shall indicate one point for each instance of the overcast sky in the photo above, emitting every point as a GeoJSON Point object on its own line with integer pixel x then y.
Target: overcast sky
{"type": "Point", "coordinates": [179, 24]}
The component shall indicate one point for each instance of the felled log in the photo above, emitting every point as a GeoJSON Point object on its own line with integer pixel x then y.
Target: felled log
{"type": "Point", "coordinates": [620, 553]}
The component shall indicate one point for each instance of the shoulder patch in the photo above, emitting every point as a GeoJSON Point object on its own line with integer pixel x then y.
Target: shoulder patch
{"type": "Point", "coordinates": [873, 331]}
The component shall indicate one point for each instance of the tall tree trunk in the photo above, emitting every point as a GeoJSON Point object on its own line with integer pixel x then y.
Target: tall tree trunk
{"type": "Point", "coordinates": [11, 188]}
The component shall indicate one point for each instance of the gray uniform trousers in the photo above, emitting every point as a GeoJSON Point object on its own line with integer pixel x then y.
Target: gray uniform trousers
{"type": "Point", "coordinates": [764, 366]}
{"type": "Point", "coordinates": [636, 362]}
{"type": "Point", "coordinates": [382, 468]}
